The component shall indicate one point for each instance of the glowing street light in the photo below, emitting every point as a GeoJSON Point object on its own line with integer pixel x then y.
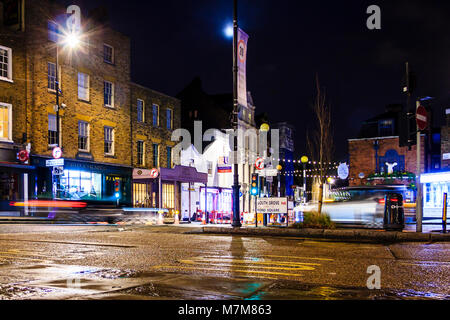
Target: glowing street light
{"type": "Point", "coordinates": [228, 31]}
{"type": "Point", "coordinates": [72, 40]}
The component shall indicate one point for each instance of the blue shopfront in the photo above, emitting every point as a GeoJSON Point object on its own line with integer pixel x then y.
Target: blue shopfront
{"type": "Point", "coordinates": [83, 180]}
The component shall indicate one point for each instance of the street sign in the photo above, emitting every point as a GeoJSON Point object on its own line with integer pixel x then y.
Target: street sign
{"type": "Point", "coordinates": [57, 153]}
{"type": "Point", "coordinates": [267, 172]}
{"type": "Point", "coordinates": [154, 173]}
{"type": "Point", "coordinates": [272, 205]}
{"type": "Point", "coordinates": [422, 118]}
{"type": "Point", "coordinates": [58, 171]}
{"type": "Point", "coordinates": [55, 163]}
{"type": "Point", "coordinates": [259, 164]}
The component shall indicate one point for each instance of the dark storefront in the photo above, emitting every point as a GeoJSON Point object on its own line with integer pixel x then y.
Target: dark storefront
{"type": "Point", "coordinates": [84, 180]}
{"type": "Point", "coordinates": [15, 179]}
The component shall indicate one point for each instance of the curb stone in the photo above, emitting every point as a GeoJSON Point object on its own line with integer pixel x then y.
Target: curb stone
{"type": "Point", "coordinates": [372, 235]}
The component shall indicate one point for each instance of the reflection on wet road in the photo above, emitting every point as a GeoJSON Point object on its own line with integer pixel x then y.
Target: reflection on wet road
{"type": "Point", "coordinates": [167, 263]}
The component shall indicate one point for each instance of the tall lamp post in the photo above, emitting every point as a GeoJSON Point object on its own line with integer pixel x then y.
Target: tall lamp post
{"type": "Point", "coordinates": [235, 122]}
{"type": "Point", "coordinates": [304, 162]}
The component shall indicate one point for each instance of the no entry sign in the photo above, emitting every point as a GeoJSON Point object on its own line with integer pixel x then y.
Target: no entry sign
{"type": "Point", "coordinates": [422, 118]}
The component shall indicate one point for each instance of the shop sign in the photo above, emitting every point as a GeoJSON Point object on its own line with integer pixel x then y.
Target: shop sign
{"type": "Point", "coordinates": [343, 171]}
{"type": "Point", "coordinates": [55, 163]}
{"type": "Point", "coordinates": [224, 166]}
{"type": "Point", "coordinates": [446, 156]}
{"type": "Point", "coordinates": [24, 156]}
{"type": "Point", "coordinates": [272, 205]}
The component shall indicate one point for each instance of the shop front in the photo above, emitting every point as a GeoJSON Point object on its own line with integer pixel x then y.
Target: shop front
{"type": "Point", "coordinates": [15, 177]}
{"type": "Point", "coordinates": [83, 180]}
{"type": "Point", "coordinates": [435, 185]}
{"type": "Point", "coordinates": [164, 188]}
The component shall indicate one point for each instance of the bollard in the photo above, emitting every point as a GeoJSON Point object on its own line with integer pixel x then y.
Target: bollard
{"type": "Point", "coordinates": [444, 215]}
{"type": "Point", "coordinates": [177, 219]}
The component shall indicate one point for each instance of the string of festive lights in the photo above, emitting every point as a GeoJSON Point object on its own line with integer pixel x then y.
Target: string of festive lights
{"type": "Point", "coordinates": [309, 162]}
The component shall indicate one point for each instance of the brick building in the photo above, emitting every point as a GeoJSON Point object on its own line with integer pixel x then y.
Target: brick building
{"type": "Point", "coordinates": [377, 158]}
{"type": "Point", "coordinates": [101, 129]}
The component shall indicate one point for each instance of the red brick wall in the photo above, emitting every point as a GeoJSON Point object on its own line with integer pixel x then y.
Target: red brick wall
{"type": "Point", "coordinates": [362, 157]}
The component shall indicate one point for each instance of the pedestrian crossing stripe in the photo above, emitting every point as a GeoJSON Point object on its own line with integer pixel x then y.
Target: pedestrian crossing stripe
{"type": "Point", "coordinates": [231, 270]}
{"type": "Point", "coordinates": [190, 262]}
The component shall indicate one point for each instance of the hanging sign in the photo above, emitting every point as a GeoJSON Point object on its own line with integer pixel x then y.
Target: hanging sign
{"type": "Point", "coordinates": [242, 67]}
{"type": "Point", "coordinates": [343, 171]}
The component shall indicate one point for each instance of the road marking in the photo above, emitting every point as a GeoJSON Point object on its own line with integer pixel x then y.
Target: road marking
{"type": "Point", "coordinates": [231, 270]}
{"type": "Point", "coordinates": [255, 267]}
{"type": "Point", "coordinates": [300, 258]}
{"type": "Point", "coordinates": [253, 262]}
{"type": "Point", "coordinates": [303, 268]}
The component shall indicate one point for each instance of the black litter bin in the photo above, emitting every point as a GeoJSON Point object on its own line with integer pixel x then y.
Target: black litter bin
{"type": "Point", "coordinates": [394, 214]}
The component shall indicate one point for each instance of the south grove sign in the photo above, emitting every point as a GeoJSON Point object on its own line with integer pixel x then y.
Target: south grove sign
{"type": "Point", "coordinates": [272, 205]}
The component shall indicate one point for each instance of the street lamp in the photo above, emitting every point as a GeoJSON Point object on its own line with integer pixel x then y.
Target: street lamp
{"type": "Point", "coordinates": [236, 187]}
{"type": "Point", "coordinates": [304, 160]}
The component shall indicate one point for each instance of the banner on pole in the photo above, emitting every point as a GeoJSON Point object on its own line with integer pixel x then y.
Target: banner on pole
{"type": "Point", "coordinates": [242, 67]}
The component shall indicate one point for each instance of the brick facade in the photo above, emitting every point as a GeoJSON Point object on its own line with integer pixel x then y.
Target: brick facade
{"type": "Point", "coordinates": [363, 160]}
{"type": "Point", "coordinates": [148, 133]}
{"type": "Point", "coordinates": [32, 101]}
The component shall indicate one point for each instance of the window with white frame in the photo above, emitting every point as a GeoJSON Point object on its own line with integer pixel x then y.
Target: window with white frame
{"type": "Point", "coordinates": [108, 53]}
{"type": "Point", "coordinates": [83, 136]}
{"type": "Point", "coordinates": [169, 119]}
{"type": "Point", "coordinates": [109, 141]}
{"type": "Point", "coordinates": [140, 153]}
{"type": "Point", "coordinates": [140, 110]}
{"type": "Point", "coordinates": [155, 155]}
{"type": "Point", "coordinates": [155, 115]}
{"type": "Point", "coordinates": [52, 130]}
{"type": "Point", "coordinates": [51, 76]}
{"type": "Point", "coordinates": [83, 86]}
{"type": "Point", "coordinates": [5, 122]}
{"type": "Point", "coordinates": [5, 63]}
{"type": "Point", "coordinates": [108, 94]}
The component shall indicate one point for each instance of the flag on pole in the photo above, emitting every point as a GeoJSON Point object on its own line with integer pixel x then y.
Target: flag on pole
{"type": "Point", "coordinates": [242, 66]}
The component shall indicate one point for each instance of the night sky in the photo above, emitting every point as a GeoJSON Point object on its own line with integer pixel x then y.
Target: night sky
{"type": "Point", "coordinates": [290, 41]}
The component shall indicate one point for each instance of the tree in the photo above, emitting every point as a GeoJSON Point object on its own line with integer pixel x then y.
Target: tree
{"type": "Point", "coordinates": [320, 139]}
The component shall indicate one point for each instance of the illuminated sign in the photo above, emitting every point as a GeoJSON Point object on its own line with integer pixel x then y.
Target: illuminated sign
{"type": "Point", "coordinates": [55, 163]}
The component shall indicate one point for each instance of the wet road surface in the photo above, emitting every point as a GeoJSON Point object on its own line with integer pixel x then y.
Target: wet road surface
{"type": "Point", "coordinates": [109, 262]}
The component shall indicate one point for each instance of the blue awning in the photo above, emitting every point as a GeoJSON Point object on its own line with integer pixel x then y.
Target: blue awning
{"type": "Point", "coordinates": [16, 166]}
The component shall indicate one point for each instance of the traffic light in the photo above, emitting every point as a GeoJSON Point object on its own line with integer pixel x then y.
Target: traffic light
{"type": "Point", "coordinates": [254, 191]}
{"type": "Point", "coordinates": [407, 129]}
{"type": "Point", "coordinates": [117, 189]}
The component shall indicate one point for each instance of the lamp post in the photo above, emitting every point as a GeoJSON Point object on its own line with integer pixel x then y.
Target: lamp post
{"type": "Point", "coordinates": [236, 187]}
{"type": "Point", "coordinates": [304, 162]}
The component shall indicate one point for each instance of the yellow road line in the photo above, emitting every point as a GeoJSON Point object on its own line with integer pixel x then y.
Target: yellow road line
{"type": "Point", "coordinates": [306, 258]}
{"type": "Point", "coordinates": [231, 270]}
{"type": "Point", "coordinates": [266, 262]}
{"type": "Point", "coordinates": [303, 268]}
